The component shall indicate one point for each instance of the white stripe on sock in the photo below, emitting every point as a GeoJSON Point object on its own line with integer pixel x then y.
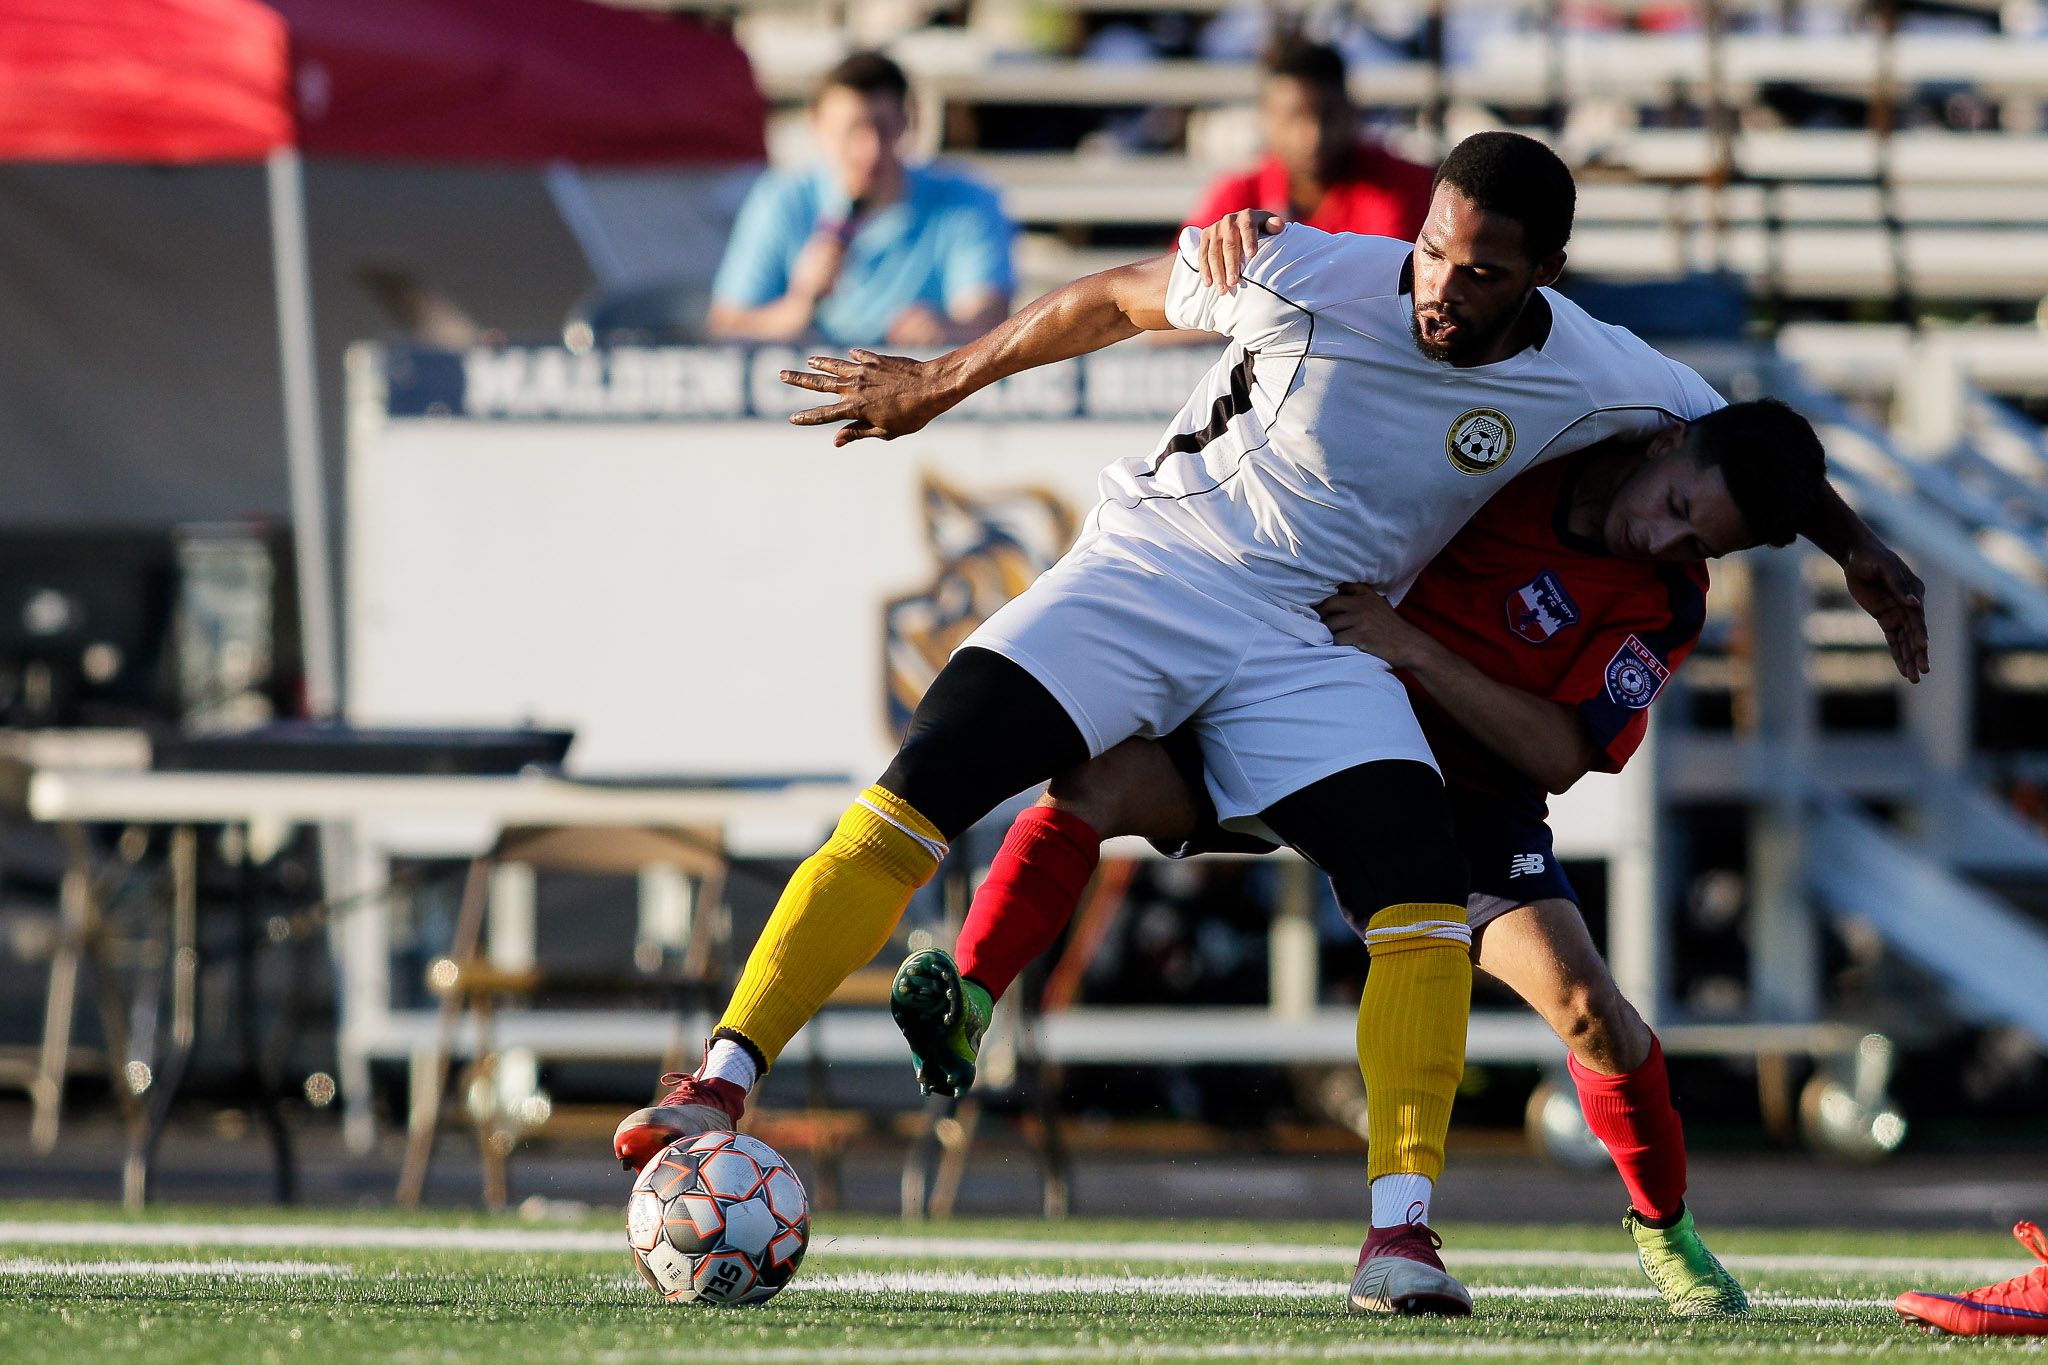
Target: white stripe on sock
{"type": "Point", "coordinates": [932, 846]}
{"type": "Point", "coordinates": [1453, 930]}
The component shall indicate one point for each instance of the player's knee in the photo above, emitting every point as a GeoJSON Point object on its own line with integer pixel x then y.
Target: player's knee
{"type": "Point", "coordinates": [1591, 1019]}
{"type": "Point", "coordinates": [1131, 789]}
{"type": "Point", "coordinates": [1089, 791]}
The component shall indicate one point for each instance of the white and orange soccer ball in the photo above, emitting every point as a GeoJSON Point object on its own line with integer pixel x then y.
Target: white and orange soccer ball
{"type": "Point", "coordinates": [718, 1219]}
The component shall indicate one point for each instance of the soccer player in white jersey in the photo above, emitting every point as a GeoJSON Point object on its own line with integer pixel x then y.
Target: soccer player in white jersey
{"type": "Point", "coordinates": [1372, 396]}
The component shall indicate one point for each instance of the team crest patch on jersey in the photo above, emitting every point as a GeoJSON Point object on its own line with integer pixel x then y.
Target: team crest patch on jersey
{"type": "Point", "coordinates": [1634, 675]}
{"type": "Point", "coordinates": [1480, 441]}
{"type": "Point", "coordinates": [1541, 608]}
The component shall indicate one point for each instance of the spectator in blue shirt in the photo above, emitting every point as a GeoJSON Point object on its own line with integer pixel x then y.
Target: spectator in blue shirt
{"type": "Point", "coordinates": [865, 250]}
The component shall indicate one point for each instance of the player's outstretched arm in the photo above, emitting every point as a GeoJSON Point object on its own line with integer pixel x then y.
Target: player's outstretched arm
{"type": "Point", "coordinates": [1537, 736]}
{"type": "Point", "coordinates": [1882, 583]}
{"type": "Point", "coordinates": [886, 396]}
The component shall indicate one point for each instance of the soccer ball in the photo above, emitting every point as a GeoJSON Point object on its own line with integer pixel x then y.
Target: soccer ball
{"type": "Point", "coordinates": [720, 1219]}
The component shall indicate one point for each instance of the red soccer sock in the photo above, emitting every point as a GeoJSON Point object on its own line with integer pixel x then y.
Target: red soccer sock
{"type": "Point", "coordinates": [1632, 1114]}
{"type": "Point", "coordinates": [1032, 889]}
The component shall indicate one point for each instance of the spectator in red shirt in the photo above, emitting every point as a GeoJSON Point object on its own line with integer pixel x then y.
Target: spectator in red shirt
{"type": "Point", "coordinates": [1318, 169]}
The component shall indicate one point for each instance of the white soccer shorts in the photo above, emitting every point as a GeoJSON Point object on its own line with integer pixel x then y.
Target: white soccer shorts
{"type": "Point", "coordinates": [1131, 650]}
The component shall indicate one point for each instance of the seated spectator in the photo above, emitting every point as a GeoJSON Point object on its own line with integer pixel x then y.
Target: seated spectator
{"type": "Point", "coordinates": [865, 250]}
{"type": "Point", "coordinates": [1318, 169]}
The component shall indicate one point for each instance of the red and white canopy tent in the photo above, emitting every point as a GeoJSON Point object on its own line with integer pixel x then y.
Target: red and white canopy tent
{"type": "Point", "coordinates": [184, 82]}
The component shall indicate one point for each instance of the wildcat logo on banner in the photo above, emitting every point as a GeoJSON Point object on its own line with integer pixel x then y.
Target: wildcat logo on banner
{"type": "Point", "coordinates": [989, 550]}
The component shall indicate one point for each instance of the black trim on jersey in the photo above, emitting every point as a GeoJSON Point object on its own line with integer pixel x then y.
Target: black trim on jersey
{"type": "Point", "coordinates": [1227, 408]}
{"type": "Point", "coordinates": [1590, 413]}
{"type": "Point", "coordinates": [1549, 319]}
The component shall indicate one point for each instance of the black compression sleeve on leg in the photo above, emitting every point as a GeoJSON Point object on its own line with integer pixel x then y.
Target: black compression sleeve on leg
{"type": "Point", "coordinates": [985, 731]}
{"type": "Point", "coordinates": [1382, 831]}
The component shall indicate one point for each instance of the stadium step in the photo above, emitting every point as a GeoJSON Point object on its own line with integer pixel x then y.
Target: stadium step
{"type": "Point", "coordinates": [1991, 958]}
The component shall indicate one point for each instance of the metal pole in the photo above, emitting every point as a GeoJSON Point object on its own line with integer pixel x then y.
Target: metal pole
{"type": "Point", "coordinates": [1291, 962]}
{"type": "Point", "coordinates": [1784, 940]}
{"type": "Point", "coordinates": [1635, 933]}
{"type": "Point", "coordinates": [303, 459]}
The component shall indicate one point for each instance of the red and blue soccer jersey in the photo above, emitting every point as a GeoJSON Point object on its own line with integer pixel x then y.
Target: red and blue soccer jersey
{"type": "Point", "coordinates": [1530, 604]}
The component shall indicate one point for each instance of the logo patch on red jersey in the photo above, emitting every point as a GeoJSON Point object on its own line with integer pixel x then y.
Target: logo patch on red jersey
{"type": "Point", "coordinates": [1541, 608]}
{"type": "Point", "coordinates": [1634, 675]}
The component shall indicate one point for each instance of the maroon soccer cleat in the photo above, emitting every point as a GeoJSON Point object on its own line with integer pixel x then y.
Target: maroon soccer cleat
{"type": "Point", "coordinates": [2013, 1308]}
{"type": "Point", "coordinates": [1400, 1272]}
{"type": "Point", "coordinates": [694, 1106]}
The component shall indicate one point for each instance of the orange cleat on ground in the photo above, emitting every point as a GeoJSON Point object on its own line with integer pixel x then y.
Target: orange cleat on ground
{"type": "Point", "coordinates": [2015, 1308]}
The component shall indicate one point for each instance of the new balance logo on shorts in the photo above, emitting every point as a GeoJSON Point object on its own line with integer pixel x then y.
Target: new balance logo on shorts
{"type": "Point", "coordinates": [1526, 865]}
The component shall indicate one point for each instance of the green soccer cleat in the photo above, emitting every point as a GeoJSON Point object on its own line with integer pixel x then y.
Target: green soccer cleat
{"type": "Point", "coordinates": [943, 1017]}
{"type": "Point", "coordinates": [1677, 1262]}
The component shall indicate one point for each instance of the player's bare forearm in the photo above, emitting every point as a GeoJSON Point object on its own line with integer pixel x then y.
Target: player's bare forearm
{"type": "Point", "coordinates": [1539, 737]}
{"type": "Point", "coordinates": [885, 397]}
{"type": "Point", "coordinates": [1882, 583]}
{"type": "Point", "coordinates": [1833, 526]}
{"type": "Point", "coordinates": [786, 319]}
{"type": "Point", "coordinates": [1091, 313]}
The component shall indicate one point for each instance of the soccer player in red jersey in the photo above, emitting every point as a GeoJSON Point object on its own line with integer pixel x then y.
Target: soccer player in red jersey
{"type": "Point", "coordinates": [1318, 169]}
{"type": "Point", "coordinates": [1533, 646]}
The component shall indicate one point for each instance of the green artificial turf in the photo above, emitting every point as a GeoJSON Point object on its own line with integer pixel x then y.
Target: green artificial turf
{"type": "Point", "coordinates": [393, 1306]}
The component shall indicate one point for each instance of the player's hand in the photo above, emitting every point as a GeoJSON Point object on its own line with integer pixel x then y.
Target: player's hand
{"type": "Point", "coordinates": [1229, 242]}
{"type": "Point", "coordinates": [1890, 591]}
{"type": "Point", "coordinates": [880, 396]}
{"type": "Point", "coordinates": [1359, 616]}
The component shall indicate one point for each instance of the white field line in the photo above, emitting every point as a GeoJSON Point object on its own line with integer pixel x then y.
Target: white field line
{"type": "Point", "coordinates": [972, 1284]}
{"type": "Point", "coordinates": [308, 1236]}
{"type": "Point", "coordinates": [891, 1247]}
{"type": "Point", "coordinates": [26, 1266]}
{"type": "Point", "coordinates": [1140, 1351]}
{"type": "Point", "coordinates": [341, 1236]}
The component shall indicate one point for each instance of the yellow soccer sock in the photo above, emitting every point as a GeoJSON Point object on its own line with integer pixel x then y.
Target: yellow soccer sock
{"type": "Point", "coordinates": [836, 913]}
{"type": "Point", "coordinates": [1411, 1033]}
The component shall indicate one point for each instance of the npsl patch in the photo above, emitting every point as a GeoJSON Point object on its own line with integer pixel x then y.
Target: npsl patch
{"type": "Point", "coordinates": [1541, 608]}
{"type": "Point", "coordinates": [1634, 675]}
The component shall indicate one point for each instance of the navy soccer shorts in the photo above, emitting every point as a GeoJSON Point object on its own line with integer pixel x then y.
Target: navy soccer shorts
{"type": "Point", "coordinates": [1507, 846]}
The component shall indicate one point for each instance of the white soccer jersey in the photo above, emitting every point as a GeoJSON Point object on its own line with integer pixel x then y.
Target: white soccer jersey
{"type": "Point", "coordinates": [1324, 448]}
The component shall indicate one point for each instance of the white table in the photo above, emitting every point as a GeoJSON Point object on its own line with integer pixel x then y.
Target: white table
{"type": "Point", "coordinates": [366, 820]}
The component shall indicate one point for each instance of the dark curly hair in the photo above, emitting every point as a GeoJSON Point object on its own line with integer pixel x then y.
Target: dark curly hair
{"type": "Point", "coordinates": [1772, 460]}
{"type": "Point", "coordinates": [1313, 64]}
{"type": "Point", "coordinates": [868, 73]}
{"type": "Point", "coordinates": [1518, 178]}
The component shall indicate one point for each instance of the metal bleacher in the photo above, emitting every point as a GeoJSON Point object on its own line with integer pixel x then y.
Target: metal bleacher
{"type": "Point", "coordinates": [1686, 164]}
{"type": "Point", "coordinates": [1683, 164]}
